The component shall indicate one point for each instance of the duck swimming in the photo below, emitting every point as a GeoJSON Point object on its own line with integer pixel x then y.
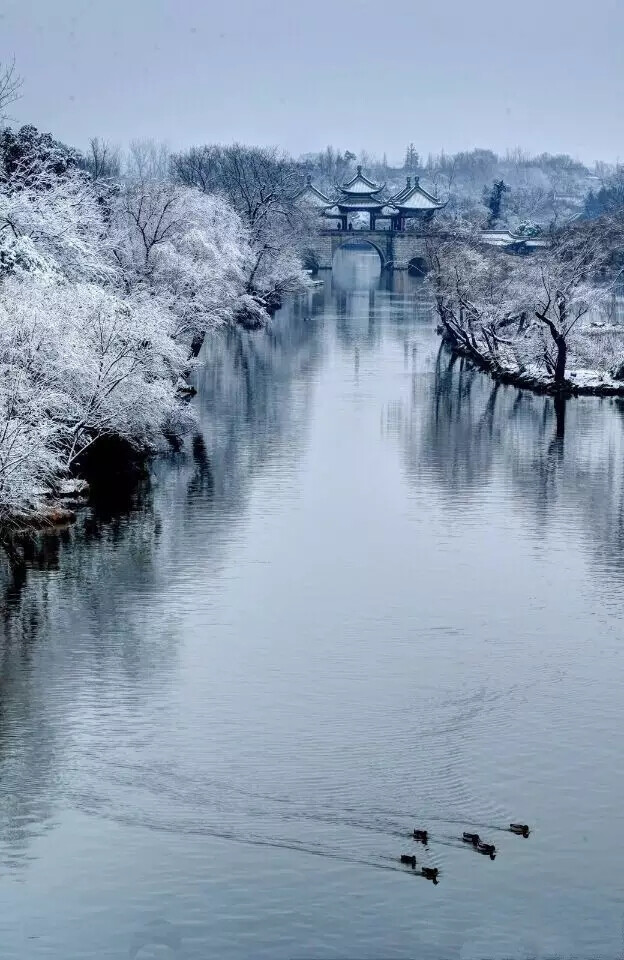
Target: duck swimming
{"type": "Point", "coordinates": [487, 848]}
{"type": "Point", "coordinates": [421, 835]}
{"type": "Point", "coordinates": [430, 873]}
{"type": "Point", "coordinates": [409, 860]}
{"type": "Point", "coordinates": [472, 838]}
{"type": "Point", "coordinates": [521, 829]}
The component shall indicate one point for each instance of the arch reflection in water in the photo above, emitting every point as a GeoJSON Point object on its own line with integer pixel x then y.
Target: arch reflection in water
{"type": "Point", "coordinates": [356, 265]}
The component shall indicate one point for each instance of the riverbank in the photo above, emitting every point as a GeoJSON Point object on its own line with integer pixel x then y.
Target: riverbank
{"type": "Point", "coordinates": [579, 382]}
{"type": "Point", "coordinates": [108, 460]}
{"type": "Point", "coordinates": [57, 508]}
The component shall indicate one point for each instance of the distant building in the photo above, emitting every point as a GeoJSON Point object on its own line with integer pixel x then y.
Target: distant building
{"type": "Point", "coordinates": [515, 242]}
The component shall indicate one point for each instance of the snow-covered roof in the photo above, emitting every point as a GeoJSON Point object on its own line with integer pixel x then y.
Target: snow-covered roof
{"type": "Point", "coordinates": [497, 238]}
{"type": "Point", "coordinates": [311, 195]}
{"type": "Point", "coordinates": [406, 189]}
{"type": "Point", "coordinates": [355, 201]}
{"type": "Point", "coordinates": [332, 211]}
{"type": "Point", "coordinates": [505, 238]}
{"type": "Point", "coordinates": [360, 185]}
{"type": "Point", "coordinates": [415, 198]}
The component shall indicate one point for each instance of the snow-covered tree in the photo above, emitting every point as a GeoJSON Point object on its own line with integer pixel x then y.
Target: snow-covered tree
{"type": "Point", "coordinates": [512, 313]}
{"type": "Point", "coordinates": [78, 363]}
{"type": "Point", "coordinates": [48, 207]}
{"type": "Point", "coordinates": [147, 161]}
{"type": "Point", "coordinates": [188, 249]}
{"type": "Point", "coordinates": [570, 280]}
{"type": "Point", "coordinates": [260, 185]}
{"type": "Point", "coordinates": [102, 161]}
{"type": "Point", "coordinates": [30, 439]}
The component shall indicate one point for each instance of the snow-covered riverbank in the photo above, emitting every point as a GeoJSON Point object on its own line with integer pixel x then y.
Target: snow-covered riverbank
{"type": "Point", "coordinates": [580, 381]}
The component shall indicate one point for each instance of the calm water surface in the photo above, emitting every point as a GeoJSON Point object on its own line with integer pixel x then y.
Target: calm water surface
{"type": "Point", "coordinates": [375, 591]}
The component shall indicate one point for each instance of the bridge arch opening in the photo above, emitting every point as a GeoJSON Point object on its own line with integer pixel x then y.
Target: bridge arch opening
{"type": "Point", "coordinates": [417, 267]}
{"type": "Point", "coordinates": [357, 264]}
{"type": "Point", "coordinates": [359, 245]}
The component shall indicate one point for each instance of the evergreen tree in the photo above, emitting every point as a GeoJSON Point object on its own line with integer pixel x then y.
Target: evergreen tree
{"type": "Point", "coordinates": [493, 200]}
{"type": "Point", "coordinates": [411, 158]}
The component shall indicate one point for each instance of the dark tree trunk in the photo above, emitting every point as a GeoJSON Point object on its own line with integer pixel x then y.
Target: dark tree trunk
{"type": "Point", "coordinates": [559, 339]}
{"type": "Point", "coordinates": [196, 345]}
{"type": "Point", "coordinates": [562, 355]}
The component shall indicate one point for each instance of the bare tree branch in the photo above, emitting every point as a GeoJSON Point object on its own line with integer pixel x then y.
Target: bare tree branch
{"type": "Point", "coordinates": [10, 86]}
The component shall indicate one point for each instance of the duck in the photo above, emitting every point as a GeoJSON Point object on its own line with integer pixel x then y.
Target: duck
{"type": "Point", "coordinates": [409, 860]}
{"type": "Point", "coordinates": [521, 829]}
{"type": "Point", "coordinates": [472, 838]}
{"type": "Point", "coordinates": [487, 848]}
{"type": "Point", "coordinates": [421, 835]}
{"type": "Point", "coordinates": [430, 873]}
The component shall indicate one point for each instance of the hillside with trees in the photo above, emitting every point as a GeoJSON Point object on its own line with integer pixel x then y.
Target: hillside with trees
{"type": "Point", "coordinates": [535, 191]}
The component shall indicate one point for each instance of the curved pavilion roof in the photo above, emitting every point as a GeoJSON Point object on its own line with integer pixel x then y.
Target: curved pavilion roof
{"type": "Point", "coordinates": [361, 185]}
{"type": "Point", "coordinates": [356, 201]}
{"type": "Point", "coordinates": [362, 194]}
{"type": "Point", "coordinates": [311, 195]}
{"type": "Point", "coordinates": [415, 198]}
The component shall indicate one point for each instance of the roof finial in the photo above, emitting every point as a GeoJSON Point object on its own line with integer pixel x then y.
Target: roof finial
{"type": "Point", "coordinates": [309, 179]}
{"type": "Point", "coordinates": [416, 179]}
{"type": "Point", "coordinates": [359, 169]}
{"type": "Point", "coordinates": [408, 182]}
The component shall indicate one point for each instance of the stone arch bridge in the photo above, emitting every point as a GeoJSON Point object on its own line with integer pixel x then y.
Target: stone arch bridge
{"type": "Point", "coordinates": [396, 249]}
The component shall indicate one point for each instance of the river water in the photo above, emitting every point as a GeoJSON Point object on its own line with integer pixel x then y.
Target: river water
{"type": "Point", "coordinates": [375, 592]}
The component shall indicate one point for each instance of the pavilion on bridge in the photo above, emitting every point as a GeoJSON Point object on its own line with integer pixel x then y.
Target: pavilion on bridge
{"type": "Point", "coordinates": [361, 195]}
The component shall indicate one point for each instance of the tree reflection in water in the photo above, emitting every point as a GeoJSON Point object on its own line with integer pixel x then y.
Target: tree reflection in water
{"type": "Point", "coordinates": [69, 593]}
{"type": "Point", "coordinates": [559, 454]}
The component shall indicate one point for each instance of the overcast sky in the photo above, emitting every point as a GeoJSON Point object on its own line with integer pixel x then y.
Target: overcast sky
{"type": "Point", "coordinates": [543, 74]}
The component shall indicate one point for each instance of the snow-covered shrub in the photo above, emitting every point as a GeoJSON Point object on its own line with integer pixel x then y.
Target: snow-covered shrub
{"type": "Point", "coordinates": [19, 255]}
